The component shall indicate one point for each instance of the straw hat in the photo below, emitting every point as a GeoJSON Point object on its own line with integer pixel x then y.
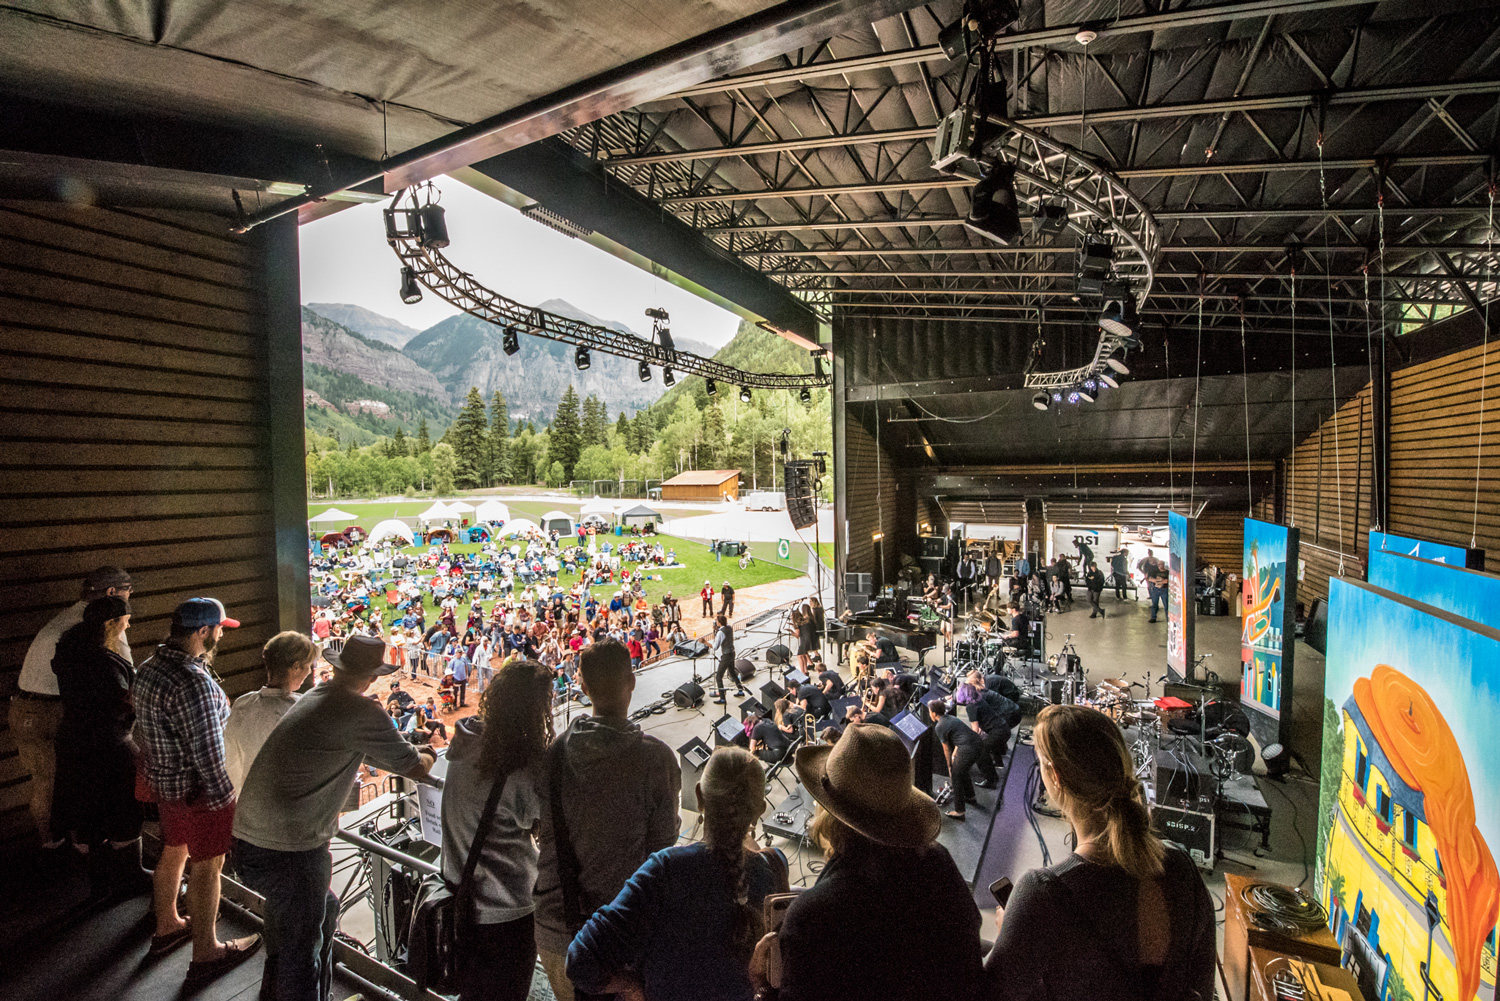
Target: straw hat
{"type": "Point", "coordinates": [865, 780]}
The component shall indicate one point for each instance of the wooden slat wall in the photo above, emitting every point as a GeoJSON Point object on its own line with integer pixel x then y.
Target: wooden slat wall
{"type": "Point", "coordinates": [1435, 438]}
{"type": "Point", "coordinates": [1329, 495]}
{"type": "Point", "coordinates": [878, 501]}
{"type": "Point", "coordinates": [134, 430]}
{"type": "Point", "coordinates": [1220, 538]}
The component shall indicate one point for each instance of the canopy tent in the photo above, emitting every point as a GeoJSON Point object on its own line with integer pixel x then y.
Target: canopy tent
{"type": "Point", "coordinates": [391, 529]}
{"type": "Point", "coordinates": [334, 538]}
{"type": "Point", "coordinates": [478, 533]}
{"type": "Point", "coordinates": [462, 507]}
{"type": "Point", "coordinates": [639, 515]}
{"type": "Point", "coordinates": [519, 527]}
{"type": "Point", "coordinates": [595, 520]}
{"type": "Point", "coordinates": [438, 512]}
{"type": "Point", "coordinates": [332, 516]}
{"type": "Point", "coordinates": [558, 521]}
{"type": "Point", "coordinates": [492, 510]}
{"type": "Point", "coordinates": [598, 506]}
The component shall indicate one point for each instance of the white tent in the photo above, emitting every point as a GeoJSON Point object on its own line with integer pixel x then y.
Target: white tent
{"type": "Point", "coordinates": [437, 513]}
{"type": "Point", "coordinates": [598, 506]}
{"type": "Point", "coordinates": [559, 521]}
{"type": "Point", "coordinates": [391, 529]}
{"type": "Point", "coordinates": [461, 507]}
{"type": "Point", "coordinates": [518, 527]}
{"type": "Point", "coordinates": [331, 517]}
{"type": "Point", "coordinates": [491, 510]}
{"type": "Point", "coordinates": [595, 520]}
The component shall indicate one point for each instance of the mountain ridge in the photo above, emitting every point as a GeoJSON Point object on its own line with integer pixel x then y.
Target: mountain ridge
{"type": "Point", "coordinates": [365, 322]}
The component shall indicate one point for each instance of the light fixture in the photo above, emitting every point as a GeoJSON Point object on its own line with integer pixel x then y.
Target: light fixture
{"type": "Point", "coordinates": [1040, 401]}
{"type": "Point", "coordinates": [1056, 397]}
{"type": "Point", "coordinates": [1090, 384]}
{"type": "Point", "coordinates": [411, 292]}
{"type": "Point", "coordinates": [658, 314]}
{"type": "Point", "coordinates": [581, 358]}
{"type": "Point", "coordinates": [432, 227]}
{"type": "Point", "coordinates": [1119, 366]}
{"type": "Point", "coordinates": [511, 343]}
{"type": "Point", "coordinates": [711, 387]}
{"type": "Point", "coordinates": [1094, 260]}
{"type": "Point", "coordinates": [1050, 219]}
{"type": "Point", "coordinates": [645, 371]}
{"type": "Point", "coordinates": [668, 376]}
{"type": "Point", "coordinates": [993, 212]}
{"type": "Point", "coordinates": [805, 396]}
{"type": "Point", "coordinates": [744, 394]}
{"type": "Point", "coordinates": [1085, 395]}
{"type": "Point", "coordinates": [1120, 318]}
{"type": "Point", "coordinates": [1105, 379]}
{"type": "Point", "coordinates": [1073, 396]}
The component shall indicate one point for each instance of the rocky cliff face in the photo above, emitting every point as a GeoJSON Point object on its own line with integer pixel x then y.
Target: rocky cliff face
{"type": "Point", "coordinates": [366, 322]}
{"type": "Point", "coordinates": [326, 343]}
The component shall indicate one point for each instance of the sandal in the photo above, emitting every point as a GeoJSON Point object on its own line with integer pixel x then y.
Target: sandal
{"type": "Point", "coordinates": [163, 944]}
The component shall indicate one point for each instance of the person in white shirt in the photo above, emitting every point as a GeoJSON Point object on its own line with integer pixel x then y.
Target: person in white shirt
{"type": "Point", "coordinates": [36, 707]}
{"type": "Point", "coordinates": [289, 658]}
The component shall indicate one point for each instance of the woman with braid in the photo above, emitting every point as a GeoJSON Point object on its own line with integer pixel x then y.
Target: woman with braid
{"type": "Point", "coordinates": [684, 926]}
{"type": "Point", "coordinates": [1123, 917]}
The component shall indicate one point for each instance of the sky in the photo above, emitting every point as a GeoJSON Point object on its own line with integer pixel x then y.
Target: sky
{"type": "Point", "coordinates": [345, 259]}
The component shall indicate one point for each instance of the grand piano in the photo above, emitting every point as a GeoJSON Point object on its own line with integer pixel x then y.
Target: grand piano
{"type": "Point", "coordinates": [895, 619]}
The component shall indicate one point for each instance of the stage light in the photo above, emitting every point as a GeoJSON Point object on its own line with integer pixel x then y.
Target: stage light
{"type": "Point", "coordinates": [432, 226]}
{"type": "Point", "coordinates": [993, 212]}
{"type": "Point", "coordinates": [1108, 380]}
{"type": "Point", "coordinates": [744, 394]}
{"type": "Point", "coordinates": [711, 387]}
{"type": "Point", "coordinates": [581, 358]}
{"type": "Point", "coordinates": [645, 371]}
{"type": "Point", "coordinates": [1050, 219]}
{"type": "Point", "coordinates": [1090, 384]}
{"type": "Point", "coordinates": [1085, 395]}
{"type": "Point", "coordinates": [1056, 397]}
{"type": "Point", "coordinates": [1040, 401]}
{"type": "Point", "coordinates": [668, 376]}
{"type": "Point", "coordinates": [805, 396]}
{"type": "Point", "coordinates": [1094, 260]}
{"type": "Point", "coordinates": [1119, 366]}
{"type": "Point", "coordinates": [411, 292]}
{"type": "Point", "coordinates": [1073, 396]}
{"type": "Point", "coordinates": [658, 314]}
{"type": "Point", "coordinates": [1120, 318]}
{"type": "Point", "coordinates": [512, 341]}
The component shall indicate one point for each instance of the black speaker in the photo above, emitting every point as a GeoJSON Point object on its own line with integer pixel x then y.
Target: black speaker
{"type": "Point", "coordinates": [801, 503]}
{"type": "Point", "coordinates": [770, 692]}
{"type": "Point", "coordinates": [778, 654]}
{"type": "Point", "coordinates": [1181, 786]}
{"type": "Point", "coordinates": [859, 583]}
{"type": "Point", "coordinates": [689, 695]}
{"type": "Point", "coordinates": [934, 547]}
{"type": "Point", "coordinates": [751, 707]}
{"type": "Point", "coordinates": [745, 669]}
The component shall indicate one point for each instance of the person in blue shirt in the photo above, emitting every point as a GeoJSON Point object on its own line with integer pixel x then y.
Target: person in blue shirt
{"type": "Point", "coordinates": [459, 666]}
{"type": "Point", "coordinates": [684, 926]}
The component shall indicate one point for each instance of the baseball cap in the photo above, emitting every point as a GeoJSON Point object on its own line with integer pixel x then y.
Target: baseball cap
{"type": "Point", "coordinates": [103, 578]}
{"type": "Point", "coordinates": [195, 613]}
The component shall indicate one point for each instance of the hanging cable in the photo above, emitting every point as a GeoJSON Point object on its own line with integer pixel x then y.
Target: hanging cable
{"type": "Point", "coordinates": [1484, 358]}
{"type": "Point", "coordinates": [1370, 365]}
{"type": "Point", "coordinates": [1291, 459]}
{"type": "Point", "coordinates": [1166, 366]}
{"type": "Point", "coordinates": [1197, 395]}
{"type": "Point", "coordinates": [1382, 458]}
{"type": "Point", "coordinates": [1333, 365]}
{"type": "Point", "coordinates": [1245, 384]}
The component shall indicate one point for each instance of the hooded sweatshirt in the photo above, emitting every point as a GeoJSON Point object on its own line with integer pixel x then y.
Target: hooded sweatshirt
{"type": "Point", "coordinates": [621, 792]}
{"type": "Point", "coordinates": [506, 871]}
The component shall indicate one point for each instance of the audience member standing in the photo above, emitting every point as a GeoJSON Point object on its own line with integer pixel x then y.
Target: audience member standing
{"type": "Point", "coordinates": [726, 598]}
{"type": "Point", "coordinates": [1119, 570]}
{"type": "Point", "coordinates": [612, 798]}
{"type": "Point", "coordinates": [36, 707]}
{"type": "Point", "coordinates": [289, 811]}
{"type": "Point", "coordinates": [684, 926]}
{"type": "Point", "coordinates": [707, 596]}
{"type": "Point", "coordinates": [180, 714]}
{"type": "Point", "coordinates": [288, 658]}
{"type": "Point", "coordinates": [887, 881]}
{"type": "Point", "coordinates": [494, 772]}
{"type": "Point", "coordinates": [94, 801]}
{"type": "Point", "coordinates": [1123, 916]}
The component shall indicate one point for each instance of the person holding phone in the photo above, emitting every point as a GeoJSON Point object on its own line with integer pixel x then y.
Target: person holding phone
{"type": "Point", "coordinates": [1123, 916]}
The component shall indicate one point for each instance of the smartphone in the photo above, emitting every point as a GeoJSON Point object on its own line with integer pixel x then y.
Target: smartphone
{"type": "Point", "coordinates": [1000, 890]}
{"type": "Point", "coordinates": [775, 909]}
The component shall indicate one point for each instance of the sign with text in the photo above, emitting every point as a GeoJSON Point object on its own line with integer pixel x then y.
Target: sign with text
{"type": "Point", "coordinates": [1080, 545]}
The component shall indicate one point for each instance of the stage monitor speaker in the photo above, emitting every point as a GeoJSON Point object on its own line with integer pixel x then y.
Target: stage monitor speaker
{"type": "Point", "coordinates": [751, 707]}
{"type": "Point", "coordinates": [745, 669]}
{"type": "Point", "coordinates": [692, 756]}
{"type": "Point", "coordinates": [778, 654]}
{"type": "Point", "coordinates": [691, 648]}
{"type": "Point", "coordinates": [689, 695]}
{"type": "Point", "coordinates": [770, 692]}
{"type": "Point", "coordinates": [1180, 785]}
{"type": "Point", "coordinates": [934, 547]}
{"type": "Point", "coordinates": [801, 499]}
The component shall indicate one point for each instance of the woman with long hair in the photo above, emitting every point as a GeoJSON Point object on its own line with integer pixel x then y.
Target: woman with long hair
{"type": "Point", "coordinates": [1123, 916]}
{"type": "Point", "coordinates": [685, 924]}
{"type": "Point", "coordinates": [807, 634]}
{"type": "Point", "coordinates": [494, 766]}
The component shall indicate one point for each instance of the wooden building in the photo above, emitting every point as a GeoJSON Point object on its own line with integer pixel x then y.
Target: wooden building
{"type": "Point", "coordinates": [702, 485]}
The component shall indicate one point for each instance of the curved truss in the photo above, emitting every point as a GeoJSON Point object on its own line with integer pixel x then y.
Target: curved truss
{"type": "Point", "coordinates": [458, 287]}
{"type": "Point", "coordinates": [1048, 170]}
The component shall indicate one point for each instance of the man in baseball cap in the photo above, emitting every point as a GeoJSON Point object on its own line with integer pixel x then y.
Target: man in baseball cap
{"type": "Point", "coordinates": [180, 712]}
{"type": "Point", "coordinates": [289, 810]}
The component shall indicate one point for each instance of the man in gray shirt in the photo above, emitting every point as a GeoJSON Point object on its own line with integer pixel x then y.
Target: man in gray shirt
{"type": "Point", "coordinates": [620, 791]}
{"type": "Point", "coordinates": [289, 810]}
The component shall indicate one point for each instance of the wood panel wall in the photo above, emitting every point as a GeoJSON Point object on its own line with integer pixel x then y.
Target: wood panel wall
{"type": "Point", "coordinates": [878, 499]}
{"type": "Point", "coordinates": [139, 426]}
{"type": "Point", "coordinates": [1328, 487]}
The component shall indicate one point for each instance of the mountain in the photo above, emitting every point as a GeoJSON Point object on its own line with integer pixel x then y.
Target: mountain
{"type": "Point", "coordinates": [335, 347]}
{"type": "Point", "coordinates": [752, 349]}
{"type": "Point", "coordinates": [464, 351]}
{"type": "Point", "coordinates": [365, 322]}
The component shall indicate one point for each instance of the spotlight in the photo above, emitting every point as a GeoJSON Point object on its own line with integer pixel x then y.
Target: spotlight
{"type": "Point", "coordinates": [993, 213]}
{"type": "Point", "coordinates": [1073, 396]}
{"type": "Point", "coordinates": [744, 394]}
{"type": "Point", "coordinates": [1085, 395]}
{"type": "Point", "coordinates": [1090, 384]}
{"type": "Point", "coordinates": [411, 292]}
{"type": "Point", "coordinates": [711, 387]}
{"type": "Point", "coordinates": [1105, 379]}
{"type": "Point", "coordinates": [581, 358]}
{"type": "Point", "coordinates": [645, 371]}
{"type": "Point", "coordinates": [433, 227]}
{"type": "Point", "coordinates": [1050, 219]}
{"type": "Point", "coordinates": [512, 341]}
{"type": "Point", "coordinates": [805, 396]}
{"type": "Point", "coordinates": [1056, 397]}
{"type": "Point", "coordinates": [658, 314]}
{"type": "Point", "coordinates": [1120, 318]}
{"type": "Point", "coordinates": [1040, 401]}
{"type": "Point", "coordinates": [1119, 366]}
{"type": "Point", "coordinates": [669, 377]}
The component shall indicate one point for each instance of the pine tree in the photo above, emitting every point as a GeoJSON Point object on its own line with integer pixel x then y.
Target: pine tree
{"type": "Point", "coordinates": [399, 445]}
{"type": "Point", "coordinates": [713, 437]}
{"type": "Point", "coordinates": [424, 443]}
{"type": "Point", "coordinates": [469, 436]}
{"type": "Point", "coordinates": [499, 439]}
{"type": "Point", "coordinates": [595, 421]}
{"type": "Point", "coordinates": [566, 433]}
{"type": "Point", "coordinates": [645, 431]}
{"type": "Point", "coordinates": [622, 432]}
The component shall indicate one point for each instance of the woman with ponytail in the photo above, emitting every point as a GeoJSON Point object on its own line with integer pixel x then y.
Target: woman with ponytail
{"type": "Point", "coordinates": [1124, 916]}
{"type": "Point", "coordinates": [684, 926]}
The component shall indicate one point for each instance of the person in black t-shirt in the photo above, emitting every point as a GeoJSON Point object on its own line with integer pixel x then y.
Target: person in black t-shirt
{"type": "Point", "coordinates": [768, 742]}
{"type": "Point", "coordinates": [1020, 630]}
{"type": "Point", "coordinates": [814, 701]}
{"type": "Point", "coordinates": [989, 714]}
{"type": "Point", "coordinates": [859, 715]}
{"type": "Point", "coordinates": [833, 685]}
{"type": "Point", "coordinates": [885, 650]}
{"type": "Point", "coordinates": [1005, 688]}
{"type": "Point", "coordinates": [961, 748]}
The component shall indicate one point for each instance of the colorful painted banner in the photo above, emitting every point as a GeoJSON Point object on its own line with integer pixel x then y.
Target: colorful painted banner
{"type": "Point", "coordinates": [1470, 594]}
{"type": "Point", "coordinates": [1269, 617]}
{"type": "Point", "coordinates": [1180, 604]}
{"type": "Point", "coordinates": [1441, 552]}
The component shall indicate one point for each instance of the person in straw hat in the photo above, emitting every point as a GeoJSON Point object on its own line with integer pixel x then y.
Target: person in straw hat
{"type": "Point", "coordinates": [886, 877]}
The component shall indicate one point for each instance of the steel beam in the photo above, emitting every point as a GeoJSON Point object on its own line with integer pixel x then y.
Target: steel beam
{"type": "Point", "coordinates": [840, 295]}
{"type": "Point", "coordinates": [1254, 248]}
{"type": "Point", "coordinates": [1189, 215]}
{"type": "Point", "coordinates": [1181, 275]}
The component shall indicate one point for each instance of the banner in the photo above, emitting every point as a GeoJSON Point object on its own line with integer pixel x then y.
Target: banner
{"type": "Point", "coordinates": [1472, 594]}
{"type": "Point", "coordinates": [1180, 606]}
{"type": "Point", "coordinates": [1422, 549]}
{"type": "Point", "coordinates": [1082, 544]}
{"type": "Point", "coordinates": [1269, 625]}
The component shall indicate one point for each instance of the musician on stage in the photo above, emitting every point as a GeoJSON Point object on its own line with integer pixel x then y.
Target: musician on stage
{"type": "Point", "coordinates": [989, 716]}
{"type": "Point", "coordinates": [963, 749]}
{"type": "Point", "coordinates": [1019, 635]}
{"type": "Point", "coordinates": [833, 686]}
{"type": "Point", "coordinates": [879, 697]}
{"type": "Point", "coordinates": [944, 608]}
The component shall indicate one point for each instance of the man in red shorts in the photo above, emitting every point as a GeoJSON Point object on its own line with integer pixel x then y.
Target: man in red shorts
{"type": "Point", "coordinates": [179, 723]}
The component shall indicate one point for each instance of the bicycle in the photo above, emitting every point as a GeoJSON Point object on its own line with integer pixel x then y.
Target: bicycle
{"type": "Point", "coordinates": [745, 561]}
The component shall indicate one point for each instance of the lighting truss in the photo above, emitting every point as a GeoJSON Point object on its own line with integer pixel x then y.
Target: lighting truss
{"type": "Point", "coordinates": [1073, 377]}
{"type": "Point", "coordinates": [441, 276]}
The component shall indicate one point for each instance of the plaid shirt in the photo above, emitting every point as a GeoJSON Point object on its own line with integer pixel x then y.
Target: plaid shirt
{"type": "Point", "coordinates": [179, 724]}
